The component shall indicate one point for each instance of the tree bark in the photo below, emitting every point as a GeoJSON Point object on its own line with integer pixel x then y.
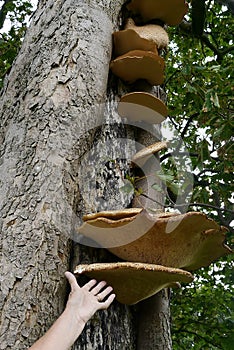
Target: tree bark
{"type": "Point", "coordinates": [52, 107]}
{"type": "Point", "coordinates": [154, 322]}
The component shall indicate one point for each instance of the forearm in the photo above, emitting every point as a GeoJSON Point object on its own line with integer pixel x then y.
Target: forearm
{"type": "Point", "coordinates": [62, 334]}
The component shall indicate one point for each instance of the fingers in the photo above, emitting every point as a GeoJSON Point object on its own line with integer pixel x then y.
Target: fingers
{"type": "Point", "coordinates": [106, 304]}
{"type": "Point", "coordinates": [98, 287]}
{"type": "Point", "coordinates": [104, 293]}
{"type": "Point", "coordinates": [89, 285]}
{"type": "Point", "coordinates": [72, 280]}
{"type": "Point", "coordinates": [93, 287]}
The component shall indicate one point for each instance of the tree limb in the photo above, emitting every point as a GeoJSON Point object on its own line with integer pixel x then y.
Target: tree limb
{"type": "Point", "coordinates": [189, 205]}
{"type": "Point", "coordinates": [186, 27]}
{"type": "Point", "coordinates": [3, 12]}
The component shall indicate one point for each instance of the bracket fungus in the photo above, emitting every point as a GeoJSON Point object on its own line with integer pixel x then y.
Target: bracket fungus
{"type": "Point", "coordinates": [139, 64]}
{"type": "Point", "coordinates": [150, 37]}
{"type": "Point", "coordinates": [133, 282]}
{"type": "Point", "coordinates": [152, 32]}
{"type": "Point", "coordinates": [128, 40]}
{"type": "Point", "coordinates": [141, 157]}
{"type": "Point", "coordinates": [189, 241]}
{"type": "Point", "coordinates": [113, 214]}
{"type": "Point", "coordinates": [170, 12]}
{"type": "Point", "coordinates": [144, 106]}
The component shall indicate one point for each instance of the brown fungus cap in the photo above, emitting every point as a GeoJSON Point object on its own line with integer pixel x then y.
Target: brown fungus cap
{"type": "Point", "coordinates": [144, 106]}
{"type": "Point", "coordinates": [141, 157]}
{"type": "Point", "coordinates": [133, 282]}
{"type": "Point", "coordinates": [151, 32]}
{"type": "Point", "coordinates": [150, 37]}
{"type": "Point", "coordinates": [139, 64]}
{"type": "Point", "coordinates": [189, 241]}
{"type": "Point", "coordinates": [108, 230]}
{"type": "Point", "coordinates": [170, 12]}
{"type": "Point", "coordinates": [128, 40]}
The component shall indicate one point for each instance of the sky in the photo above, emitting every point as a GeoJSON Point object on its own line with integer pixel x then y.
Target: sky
{"type": "Point", "coordinates": [7, 23]}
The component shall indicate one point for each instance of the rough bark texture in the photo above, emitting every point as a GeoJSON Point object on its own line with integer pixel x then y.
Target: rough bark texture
{"type": "Point", "coordinates": [154, 323]}
{"type": "Point", "coordinates": [52, 106]}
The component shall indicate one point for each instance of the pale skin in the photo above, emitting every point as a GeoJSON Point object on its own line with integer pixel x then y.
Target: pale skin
{"type": "Point", "coordinates": [82, 304]}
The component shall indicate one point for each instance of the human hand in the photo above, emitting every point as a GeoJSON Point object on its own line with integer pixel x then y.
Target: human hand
{"type": "Point", "coordinates": [85, 301]}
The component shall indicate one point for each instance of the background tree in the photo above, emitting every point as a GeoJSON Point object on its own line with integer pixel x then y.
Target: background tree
{"type": "Point", "coordinates": [16, 12]}
{"type": "Point", "coordinates": [198, 69]}
{"type": "Point", "coordinates": [200, 96]}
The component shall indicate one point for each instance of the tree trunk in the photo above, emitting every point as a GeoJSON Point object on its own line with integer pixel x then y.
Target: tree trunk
{"type": "Point", "coordinates": [154, 323]}
{"type": "Point", "coordinates": [52, 108]}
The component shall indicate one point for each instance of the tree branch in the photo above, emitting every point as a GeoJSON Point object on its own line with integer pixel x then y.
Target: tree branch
{"type": "Point", "coordinates": [3, 12]}
{"type": "Point", "coordinates": [189, 120]}
{"type": "Point", "coordinates": [186, 27]}
{"type": "Point", "coordinates": [167, 155]}
{"type": "Point", "coordinates": [207, 340]}
{"type": "Point", "coordinates": [189, 205]}
{"type": "Point", "coordinates": [207, 170]}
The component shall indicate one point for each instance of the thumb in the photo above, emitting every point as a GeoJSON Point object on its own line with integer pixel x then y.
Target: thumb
{"type": "Point", "coordinates": [72, 280]}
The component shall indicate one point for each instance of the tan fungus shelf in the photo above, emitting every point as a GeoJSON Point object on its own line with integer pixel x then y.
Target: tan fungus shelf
{"type": "Point", "coordinates": [133, 282]}
{"type": "Point", "coordinates": [142, 106]}
{"type": "Point", "coordinates": [138, 64]}
{"type": "Point", "coordinates": [141, 157]}
{"type": "Point", "coordinates": [189, 241]}
{"type": "Point", "coordinates": [170, 12]}
{"type": "Point", "coordinates": [150, 37]}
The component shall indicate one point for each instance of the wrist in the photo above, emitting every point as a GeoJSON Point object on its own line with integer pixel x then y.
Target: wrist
{"type": "Point", "coordinates": [75, 322]}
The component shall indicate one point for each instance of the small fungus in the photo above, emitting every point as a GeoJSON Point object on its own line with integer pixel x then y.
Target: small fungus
{"type": "Point", "coordinates": [189, 241]}
{"type": "Point", "coordinates": [133, 282]}
{"type": "Point", "coordinates": [139, 64]}
{"type": "Point", "coordinates": [150, 37]}
{"type": "Point", "coordinates": [170, 12]}
{"type": "Point", "coordinates": [141, 157]}
{"type": "Point", "coordinates": [144, 106]}
{"type": "Point", "coordinates": [113, 214]}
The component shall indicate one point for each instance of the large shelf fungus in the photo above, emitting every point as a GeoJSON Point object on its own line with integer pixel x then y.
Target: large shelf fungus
{"type": "Point", "coordinates": [139, 64]}
{"type": "Point", "coordinates": [189, 241]}
{"type": "Point", "coordinates": [142, 106]}
{"type": "Point", "coordinates": [133, 282]}
{"type": "Point", "coordinates": [170, 12]}
{"type": "Point", "coordinates": [150, 37]}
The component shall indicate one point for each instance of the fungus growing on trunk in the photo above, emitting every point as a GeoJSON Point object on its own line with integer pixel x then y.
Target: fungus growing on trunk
{"type": "Point", "coordinates": [141, 157]}
{"type": "Point", "coordinates": [189, 241]}
{"type": "Point", "coordinates": [128, 40]}
{"type": "Point", "coordinates": [170, 12]}
{"type": "Point", "coordinates": [152, 32]}
{"type": "Point", "coordinates": [113, 214]}
{"type": "Point", "coordinates": [144, 106]}
{"type": "Point", "coordinates": [133, 282]}
{"type": "Point", "coordinates": [150, 37]}
{"type": "Point", "coordinates": [139, 64]}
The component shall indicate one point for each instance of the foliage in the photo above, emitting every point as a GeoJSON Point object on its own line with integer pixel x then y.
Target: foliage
{"type": "Point", "coordinates": [16, 12]}
{"type": "Point", "coordinates": [200, 97]}
{"type": "Point", "coordinates": [203, 312]}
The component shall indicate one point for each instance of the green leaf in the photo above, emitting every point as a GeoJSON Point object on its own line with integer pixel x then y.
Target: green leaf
{"type": "Point", "coordinates": [127, 188]}
{"type": "Point", "coordinates": [174, 187]}
{"type": "Point", "coordinates": [214, 98]}
{"type": "Point", "coordinates": [165, 177]}
{"type": "Point", "coordinates": [157, 188]}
